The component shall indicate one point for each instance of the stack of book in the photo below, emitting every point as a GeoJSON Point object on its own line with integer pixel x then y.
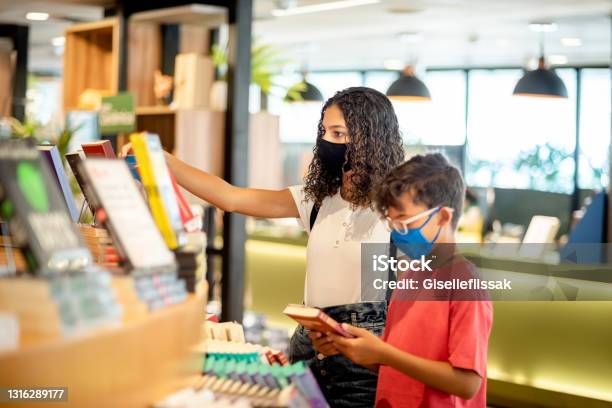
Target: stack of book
{"type": "Point", "coordinates": [101, 246]}
{"type": "Point", "coordinates": [12, 261]}
{"type": "Point", "coordinates": [190, 259]}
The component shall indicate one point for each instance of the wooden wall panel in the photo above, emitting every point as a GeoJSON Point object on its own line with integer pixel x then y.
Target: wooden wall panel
{"type": "Point", "coordinates": [194, 38]}
{"type": "Point", "coordinates": [144, 45]}
{"type": "Point", "coordinates": [7, 70]}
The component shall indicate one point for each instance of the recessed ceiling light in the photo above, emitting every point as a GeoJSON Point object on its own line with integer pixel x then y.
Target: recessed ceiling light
{"type": "Point", "coordinates": [58, 41]}
{"type": "Point", "coordinates": [557, 59]}
{"type": "Point", "coordinates": [315, 8]}
{"type": "Point", "coordinates": [393, 64]}
{"type": "Point", "coordinates": [410, 38]}
{"type": "Point", "coordinates": [571, 42]}
{"type": "Point", "coordinates": [542, 27]}
{"type": "Point", "coordinates": [37, 16]}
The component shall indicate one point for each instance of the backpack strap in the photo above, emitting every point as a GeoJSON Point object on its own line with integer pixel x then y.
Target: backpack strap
{"type": "Point", "coordinates": [313, 215]}
{"type": "Point", "coordinates": [391, 276]}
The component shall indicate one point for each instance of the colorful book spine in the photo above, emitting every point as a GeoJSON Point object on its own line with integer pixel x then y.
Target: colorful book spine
{"type": "Point", "coordinates": [156, 202]}
{"type": "Point", "coordinates": [164, 185]}
{"type": "Point", "coordinates": [189, 220]}
{"type": "Point", "coordinates": [102, 148]}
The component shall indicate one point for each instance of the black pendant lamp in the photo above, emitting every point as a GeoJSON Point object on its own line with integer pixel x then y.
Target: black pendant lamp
{"type": "Point", "coordinates": [408, 88]}
{"type": "Point", "coordinates": [541, 82]}
{"type": "Point", "coordinates": [311, 93]}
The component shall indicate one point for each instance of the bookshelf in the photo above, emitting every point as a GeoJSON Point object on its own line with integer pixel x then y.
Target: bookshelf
{"type": "Point", "coordinates": [132, 365]}
{"type": "Point", "coordinates": [91, 59]}
{"type": "Point", "coordinates": [194, 135]}
{"type": "Point", "coordinates": [198, 14]}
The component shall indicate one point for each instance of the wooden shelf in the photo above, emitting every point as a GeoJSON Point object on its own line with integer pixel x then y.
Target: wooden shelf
{"type": "Point", "coordinates": [133, 365]}
{"type": "Point", "coordinates": [91, 59]}
{"type": "Point", "coordinates": [200, 14]}
{"type": "Point", "coordinates": [155, 110]}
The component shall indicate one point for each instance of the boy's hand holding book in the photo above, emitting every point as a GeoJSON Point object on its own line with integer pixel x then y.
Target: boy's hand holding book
{"type": "Point", "coordinates": [364, 348]}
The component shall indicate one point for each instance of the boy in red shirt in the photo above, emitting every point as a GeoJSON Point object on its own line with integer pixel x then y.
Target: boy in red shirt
{"type": "Point", "coordinates": [433, 352]}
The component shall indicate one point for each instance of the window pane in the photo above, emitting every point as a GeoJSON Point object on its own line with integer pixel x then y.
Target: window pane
{"type": "Point", "coordinates": [594, 128]}
{"type": "Point", "coordinates": [440, 121]}
{"type": "Point", "coordinates": [380, 80]}
{"type": "Point", "coordinates": [297, 120]}
{"type": "Point", "coordinates": [520, 142]}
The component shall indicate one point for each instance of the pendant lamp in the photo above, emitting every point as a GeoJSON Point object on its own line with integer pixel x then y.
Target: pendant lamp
{"type": "Point", "coordinates": [408, 87]}
{"type": "Point", "coordinates": [541, 82]}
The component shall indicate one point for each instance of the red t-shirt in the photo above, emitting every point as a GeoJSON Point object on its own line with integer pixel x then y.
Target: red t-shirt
{"type": "Point", "coordinates": [450, 330]}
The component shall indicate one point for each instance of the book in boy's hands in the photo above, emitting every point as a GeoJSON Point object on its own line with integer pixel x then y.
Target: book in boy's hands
{"type": "Point", "coordinates": [101, 148]}
{"type": "Point", "coordinates": [315, 319]}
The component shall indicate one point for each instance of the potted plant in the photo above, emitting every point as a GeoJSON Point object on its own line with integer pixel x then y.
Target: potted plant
{"type": "Point", "coordinates": [266, 64]}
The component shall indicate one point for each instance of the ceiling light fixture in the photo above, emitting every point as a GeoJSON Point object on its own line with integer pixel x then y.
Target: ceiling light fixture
{"type": "Point", "coordinates": [316, 8]}
{"type": "Point", "coordinates": [541, 82]}
{"type": "Point", "coordinates": [542, 27]}
{"type": "Point", "coordinates": [58, 41]}
{"type": "Point", "coordinates": [571, 42]}
{"type": "Point", "coordinates": [37, 16]}
{"type": "Point", "coordinates": [408, 87]}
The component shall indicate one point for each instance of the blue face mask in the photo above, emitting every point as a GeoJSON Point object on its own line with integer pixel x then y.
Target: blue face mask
{"type": "Point", "coordinates": [413, 243]}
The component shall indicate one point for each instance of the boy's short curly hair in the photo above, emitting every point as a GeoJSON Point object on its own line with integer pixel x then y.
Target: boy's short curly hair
{"type": "Point", "coordinates": [431, 180]}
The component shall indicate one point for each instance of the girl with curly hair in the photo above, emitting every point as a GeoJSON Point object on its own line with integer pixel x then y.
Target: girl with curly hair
{"type": "Point", "coordinates": [358, 143]}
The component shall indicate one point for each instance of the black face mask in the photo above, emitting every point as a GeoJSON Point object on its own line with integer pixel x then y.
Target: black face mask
{"type": "Point", "coordinates": [332, 157]}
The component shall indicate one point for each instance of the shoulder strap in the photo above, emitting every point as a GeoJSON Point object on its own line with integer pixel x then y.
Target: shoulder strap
{"type": "Point", "coordinates": [392, 254]}
{"type": "Point", "coordinates": [313, 216]}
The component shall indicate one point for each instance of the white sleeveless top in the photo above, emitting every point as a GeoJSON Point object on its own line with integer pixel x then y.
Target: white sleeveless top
{"type": "Point", "coordinates": [333, 258]}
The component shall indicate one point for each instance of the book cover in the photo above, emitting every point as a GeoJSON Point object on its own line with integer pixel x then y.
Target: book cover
{"type": "Point", "coordinates": [37, 216]}
{"type": "Point", "coordinates": [100, 148]}
{"type": "Point", "coordinates": [154, 190]}
{"type": "Point", "coordinates": [126, 216]}
{"type": "Point", "coordinates": [315, 319]}
{"type": "Point", "coordinates": [74, 160]}
{"type": "Point", "coordinates": [131, 161]}
{"type": "Point", "coordinates": [164, 184]}
{"type": "Point", "coordinates": [52, 156]}
{"type": "Point", "coordinates": [189, 220]}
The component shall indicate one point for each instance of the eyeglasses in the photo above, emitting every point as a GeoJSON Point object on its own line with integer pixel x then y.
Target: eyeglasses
{"type": "Point", "coordinates": [401, 226]}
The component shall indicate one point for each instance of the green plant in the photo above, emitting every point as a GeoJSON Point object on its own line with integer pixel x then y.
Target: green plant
{"type": "Point", "coordinates": [63, 139]}
{"type": "Point", "coordinates": [33, 129]}
{"type": "Point", "coordinates": [267, 63]}
{"type": "Point", "coordinates": [294, 92]}
{"type": "Point", "coordinates": [29, 128]}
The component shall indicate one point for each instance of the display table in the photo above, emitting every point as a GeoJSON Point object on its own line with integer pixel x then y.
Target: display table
{"type": "Point", "coordinates": [132, 365]}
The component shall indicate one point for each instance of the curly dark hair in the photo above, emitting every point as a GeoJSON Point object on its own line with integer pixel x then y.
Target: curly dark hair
{"type": "Point", "coordinates": [375, 146]}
